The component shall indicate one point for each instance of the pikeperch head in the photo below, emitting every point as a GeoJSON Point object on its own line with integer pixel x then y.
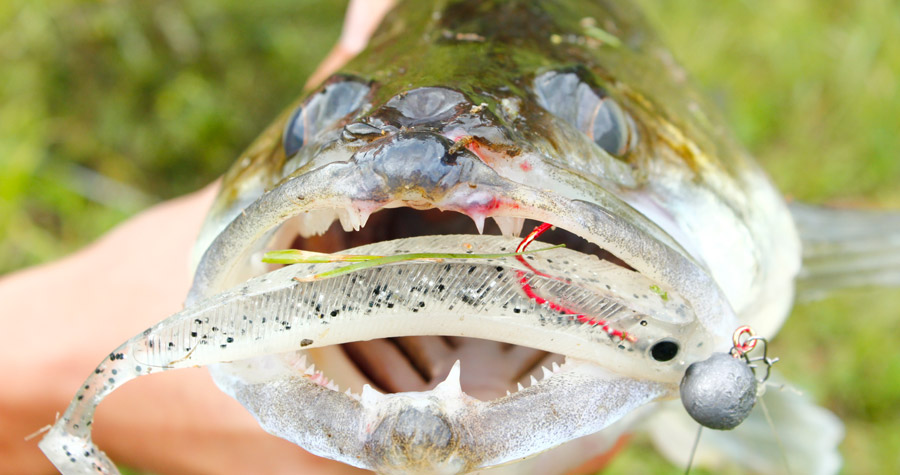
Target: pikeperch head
{"type": "Point", "coordinates": [462, 119]}
{"type": "Point", "coordinates": [534, 120]}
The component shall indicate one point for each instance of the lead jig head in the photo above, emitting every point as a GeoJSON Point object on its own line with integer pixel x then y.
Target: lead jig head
{"type": "Point", "coordinates": [720, 391]}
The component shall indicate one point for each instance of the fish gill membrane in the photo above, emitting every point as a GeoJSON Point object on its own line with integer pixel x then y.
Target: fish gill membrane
{"type": "Point", "coordinates": [254, 335]}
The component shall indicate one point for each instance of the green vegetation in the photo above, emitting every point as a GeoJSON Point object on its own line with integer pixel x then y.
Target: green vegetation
{"type": "Point", "coordinates": [295, 256]}
{"type": "Point", "coordinates": [108, 107]}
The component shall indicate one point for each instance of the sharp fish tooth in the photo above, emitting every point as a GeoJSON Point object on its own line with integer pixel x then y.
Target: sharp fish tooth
{"type": "Point", "coordinates": [451, 384]}
{"type": "Point", "coordinates": [534, 380]}
{"type": "Point", "coordinates": [351, 394]}
{"type": "Point", "coordinates": [311, 370]}
{"type": "Point", "coordinates": [479, 222]}
{"type": "Point", "coordinates": [349, 219]}
{"type": "Point", "coordinates": [370, 395]}
{"type": "Point", "coordinates": [547, 372]}
{"type": "Point", "coordinates": [316, 222]}
{"type": "Point", "coordinates": [363, 218]}
{"type": "Point", "coordinates": [510, 226]}
{"type": "Point", "coordinates": [519, 387]}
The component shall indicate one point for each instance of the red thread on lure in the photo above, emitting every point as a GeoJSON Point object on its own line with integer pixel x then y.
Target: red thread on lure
{"type": "Point", "coordinates": [529, 291]}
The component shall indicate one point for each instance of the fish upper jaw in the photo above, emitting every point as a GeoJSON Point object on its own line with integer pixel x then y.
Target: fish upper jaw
{"type": "Point", "coordinates": [424, 170]}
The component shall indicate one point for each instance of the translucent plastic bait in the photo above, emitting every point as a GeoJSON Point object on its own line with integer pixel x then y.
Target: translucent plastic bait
{"type": "Point", "coordinates": [274, 313]}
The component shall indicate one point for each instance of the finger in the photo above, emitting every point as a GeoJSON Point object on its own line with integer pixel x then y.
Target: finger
{"type": "Point", "coordinates": [362, 17]}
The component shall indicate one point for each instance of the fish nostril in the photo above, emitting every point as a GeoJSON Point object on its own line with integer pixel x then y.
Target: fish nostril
{"type": "Point", "coordinates": [361, 130]}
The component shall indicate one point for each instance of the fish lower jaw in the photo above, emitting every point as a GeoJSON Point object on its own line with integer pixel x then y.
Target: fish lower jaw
{"type": "Point", "coordinates": [442, 430]}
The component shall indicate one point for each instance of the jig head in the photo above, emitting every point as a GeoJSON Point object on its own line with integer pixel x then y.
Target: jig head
{"type": "Point", "coordinates": [720, 392]}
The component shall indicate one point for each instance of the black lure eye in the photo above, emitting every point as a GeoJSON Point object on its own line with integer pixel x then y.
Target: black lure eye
{"type": "Point", "coordinates": [586, 107]}
{"type": "Point", "coordinates": [293, 133]}
{"type": "Point", "coordinates": [321, 112]}
{"type": "Point", "coordinates": [664, 350]}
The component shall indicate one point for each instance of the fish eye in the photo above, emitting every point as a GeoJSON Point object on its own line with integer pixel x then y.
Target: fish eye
{"type": "Point", "coordinates": [294, 133]}
{"type": "Point", "coordinates": [609, 128]}
{"type": "Point", "coordinates": [586, 107]}
{"type": "Point", "coordinates": [664, 350]}
{"type": "Point", "coordinates": [321, 111]}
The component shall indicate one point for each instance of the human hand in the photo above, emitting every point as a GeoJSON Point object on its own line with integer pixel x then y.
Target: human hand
{"type": "Point", "coordinates": [69, 313]}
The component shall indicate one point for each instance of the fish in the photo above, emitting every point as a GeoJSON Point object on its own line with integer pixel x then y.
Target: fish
{"type": "Point", "coordinates": [564, 113]}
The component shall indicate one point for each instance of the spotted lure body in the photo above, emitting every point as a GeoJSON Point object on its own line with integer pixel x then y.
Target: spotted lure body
{"type": "Point", "coordinates": [567, 113]}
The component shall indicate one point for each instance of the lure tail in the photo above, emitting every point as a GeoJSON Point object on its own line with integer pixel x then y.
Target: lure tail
{"type": "Point", "coordinates": [846, 248]}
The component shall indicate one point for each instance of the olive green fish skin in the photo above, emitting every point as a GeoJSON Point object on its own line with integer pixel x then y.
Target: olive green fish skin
{"type": "Point", "coordinates": [490, 50]}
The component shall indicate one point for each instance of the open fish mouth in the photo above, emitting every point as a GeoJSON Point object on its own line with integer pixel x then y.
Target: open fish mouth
{"type": "Point", "coordinates": [435, 425]}
{"type": "Point", "coordinates": [593, 334]}
{"type": "Point", "coordinates": [442, 366]}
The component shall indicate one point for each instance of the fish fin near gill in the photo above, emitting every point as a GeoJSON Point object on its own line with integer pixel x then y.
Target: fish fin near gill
{"type": "Point", "coordinates": [805, 439]}
{"type": "Point", "coordinates": [844, 248]}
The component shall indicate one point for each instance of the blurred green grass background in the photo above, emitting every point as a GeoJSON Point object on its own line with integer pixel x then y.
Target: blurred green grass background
{"type": "Point", "coordinates": [109, 107]}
